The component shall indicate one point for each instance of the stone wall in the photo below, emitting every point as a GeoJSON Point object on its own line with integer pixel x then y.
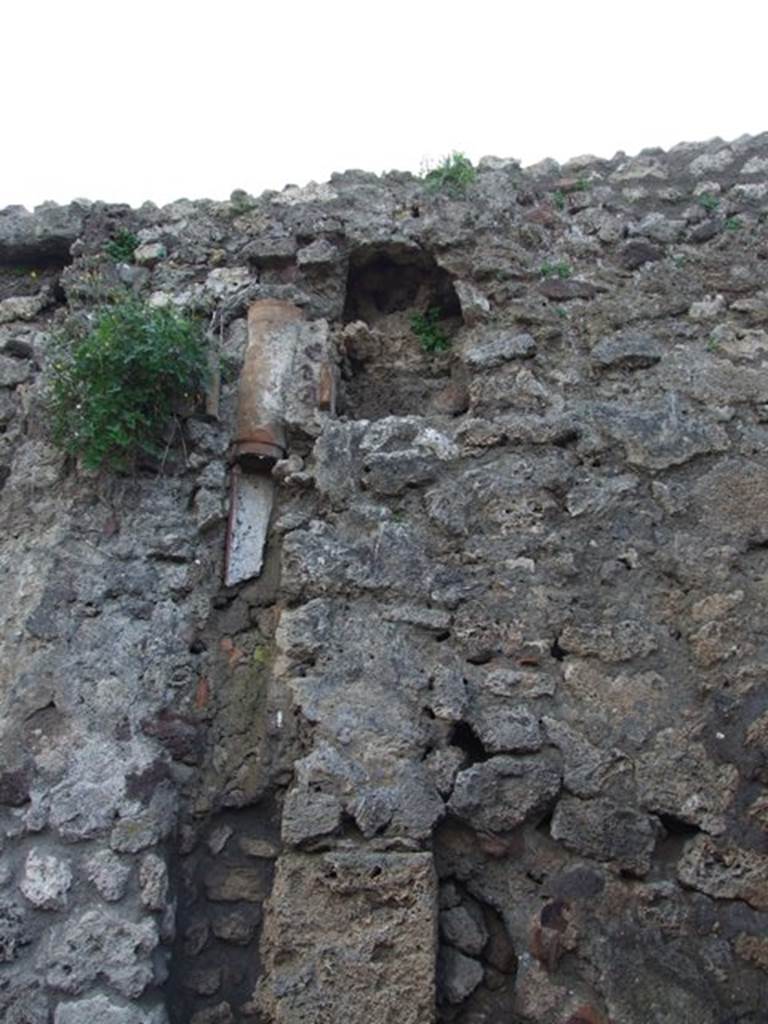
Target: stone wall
{"type": "Point", "coordinates": [486, 738]}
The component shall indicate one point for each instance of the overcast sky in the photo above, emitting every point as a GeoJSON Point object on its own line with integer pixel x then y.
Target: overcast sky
{"type": "Point", "coordinates": [159, 100]}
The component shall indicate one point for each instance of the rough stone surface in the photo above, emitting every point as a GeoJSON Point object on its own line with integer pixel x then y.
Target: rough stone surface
{"type": "Point", "coordinates": [109, 875]}
{"type": "Point", "coordinates": [46, 881]}
{"type": "Point", "coordinates": [503, 792]}
{"type": "Point", "coordinates": [508, 633]}
{"type": "Point", "coordinates": [153, 882]}
{"type": "Point", "coordinates": [240, 883]}
{"type": "Point", "coordinates": [677, 777]}
{"type": "Point", "coordinates": [620, 642]}
{"type": "Point", "coordinates": [221, 1013]}
{"type": "Point", "coordinates": [99, 945]}
{"type": "Point", "coordinates": [149, 254]}
{"type": "Point", "coordinates": [502, 727]}
{"type": "Point", "coordinates": [13, 371]}
{"type": "Point", "coordinates": [630, 350]}
{"type": "Point", "coordinates": [374, 915]}
{"type": "Point", "coordinates": [603, 831]}
{"type": "Point", "coordinates": [460, 975]}
{"type": "Point", "coordinates": [726, 871]}
{"type": "Point", "coordinates": [101, 1010]}
{"type": "Point", "coordinates": [45, 234]}
{"type": "Point", "coordinates": [464, 929]}
{"type": "Point", "coordinates": [491, 349]}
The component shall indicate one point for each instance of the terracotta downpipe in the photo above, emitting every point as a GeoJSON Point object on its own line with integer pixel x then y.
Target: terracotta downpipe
{"type": "Point", "coordinates": [259, 439]}
{"type": "Point", "coordinates": [259, 433]}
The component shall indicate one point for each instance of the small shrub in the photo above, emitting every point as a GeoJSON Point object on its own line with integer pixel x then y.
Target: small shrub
{"type": "Point", "coordinates": [453, 174]}
{"type": "Point", "coordinates": [114, 386]}
{"type": "Point", "coordinates": [560, 195]}
{"type": "Point", "coordinates": [733, 224]}
{"type": "Point", "coordinates": [241, 202]}
{"type": "Point", "coordinates": [427, 329]}
{"type": "Point", "coordinates": [122, 246]}
{"type": "Point", "coordinates": [562, 270]}
{"type": "Point", "coordinates": [709, 202]}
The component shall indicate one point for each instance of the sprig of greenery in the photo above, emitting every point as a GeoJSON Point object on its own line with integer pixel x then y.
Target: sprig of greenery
{"type": "Point", "coordinates": [709, 202]}
{"type": "Point", "coordinates": [427, 329]}
{"type": "Point", "coordinates": [453, 174]}
{"type": "Point", "coordinates": [561, 269]}
{"type": "Point", "coordinates": [114, 386]}
{"type": "Point", "coordinates": [560, 195]}
{"type": "Point", "coordinates": [122, 246]}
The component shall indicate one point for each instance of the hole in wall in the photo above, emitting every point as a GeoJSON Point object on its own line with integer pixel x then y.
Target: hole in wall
{"type": "Point", "coordinates": [394, 278]}
{"type": "Point", "coordinates": [390, 369]}
{"type": "Point", "coordinates": [553, 915]}
{"type": "Point", "coordinates": [567, 439]}
{"type": "Point", "coordinates": [675, 826]}
{"type": "Point", "coordinates": [676, 834]}
{"type": "Point", "coordinates": [466, 739]}
{"type": "Point", "coordinates": [29, 278]}
{"type": "Point", "coordinates": [558, 652]}
{"type": "Point", "coordinates": [26, 268]}
{"type": "Point", "coordinates": [544, 824]}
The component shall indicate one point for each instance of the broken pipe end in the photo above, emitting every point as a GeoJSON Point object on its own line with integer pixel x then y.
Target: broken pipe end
{"type": "Point", "coordinates": [260, 449]}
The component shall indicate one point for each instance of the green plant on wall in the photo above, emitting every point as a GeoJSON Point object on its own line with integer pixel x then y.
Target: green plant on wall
{"type": "Point", "coordinates": [709, 202]}
{"type": "Point", "coordinates": [426, 327]}
{"type": "Point", "coordinates": [114, 385]}
{"type": "Point", "coordinates": [561, 269]}
{"type": "Point", "coordinates": [453, 174]}
{"type": "Point", "coordinates": [122, 246]}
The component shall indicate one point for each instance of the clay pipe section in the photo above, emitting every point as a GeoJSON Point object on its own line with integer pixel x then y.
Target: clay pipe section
{"type": "Point", "coordinates": [259, 438]}
{"type": "Point", "coordinates": [259, 433]}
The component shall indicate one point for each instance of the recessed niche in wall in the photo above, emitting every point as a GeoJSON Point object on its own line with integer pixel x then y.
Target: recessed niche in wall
{"type": "Point", "coordinates": [389, 373]}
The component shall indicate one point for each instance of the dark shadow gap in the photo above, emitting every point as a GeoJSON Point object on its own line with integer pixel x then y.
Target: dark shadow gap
{"type": "Point", "coordinates": [390, 278]}
{"type": "Point", "coordinates": [464, 737]}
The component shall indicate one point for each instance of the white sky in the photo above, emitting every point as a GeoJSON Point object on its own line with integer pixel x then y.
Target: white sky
{"type": "Point", "coordinates": [158, 100]}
